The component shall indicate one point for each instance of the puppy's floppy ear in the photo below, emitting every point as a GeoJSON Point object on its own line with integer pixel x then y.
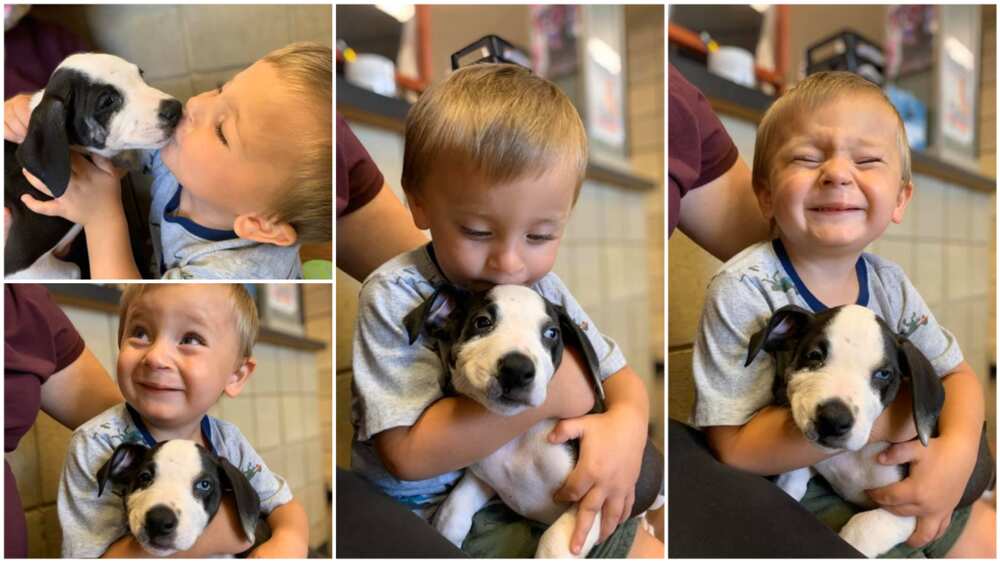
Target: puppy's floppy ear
{"type": "Point", "coordinates": [785, 326]}
{"type": "Point", "coordinates": [573, 335]}
{"type": "Point", "coordinates": [247, 500]}
{"type": "Point", "coordinates": [927, 390]}
{"type": "Point", "coordinates": [119, 467]}
{"type": "Point", "coordinates": [433, 316]}
{"type": "Point", "coordinates": [45, 150]}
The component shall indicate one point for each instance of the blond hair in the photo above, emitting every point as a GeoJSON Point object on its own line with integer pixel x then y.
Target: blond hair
{"type": "Point", "coordinates": [499, 119]}
{"type": "Point", "coordinates": [244, 308]}
{"type": "Point", "coordinates": [306, 69]}
{"type": "Point", "coordinates": [809, 95]}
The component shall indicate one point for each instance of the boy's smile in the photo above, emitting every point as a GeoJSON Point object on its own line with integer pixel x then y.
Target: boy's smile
{"type": "Point", "coordinates": [837, 180]}
{"type": "Point", "coordinates": [179, 353]}
{"type": "Point", "coordinates": [487, 235]}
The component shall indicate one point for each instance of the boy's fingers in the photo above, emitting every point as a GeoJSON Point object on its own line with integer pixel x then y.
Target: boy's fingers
{"type": "Point", "coordinates": [900, 453]}
{"type": "Point", "coordinates": [610, 516]}
{"type": "Point", "coordinates": [575, 488]}
{"type": "Point", "coordinates": [629, 502]}
{"type": "Point", "coordinates": [566, 430]}
{"type": "Point", "coordinates": [897, 494]}
{"type": "Point", "coordinates": [928, 529]}
{"type": "Point", "coordinates": [587, 511]}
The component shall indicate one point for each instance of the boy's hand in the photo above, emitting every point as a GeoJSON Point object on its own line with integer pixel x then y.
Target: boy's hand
{"type": "Point", "coordinates": [938, 475]}
{"type": "Point", "coordinates": [611, 446]}
{"type": "Point", "coordinates": [93, 193]}
{"type": "Point", "coordinates": [16, 114]}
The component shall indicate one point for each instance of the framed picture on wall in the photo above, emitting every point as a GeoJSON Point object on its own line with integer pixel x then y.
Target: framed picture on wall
{"type": "Point", "coordinates": [280, 307]}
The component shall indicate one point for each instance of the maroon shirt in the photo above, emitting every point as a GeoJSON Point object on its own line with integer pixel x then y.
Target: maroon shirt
{"type": "Point", "coordinates": [32, 50]}
{"type": "Point", "coordinates": [699, 148]}
{"type": "Point", "coordinates": [39, 341]}
{"type": "Point", "coordinates": [358, 178]}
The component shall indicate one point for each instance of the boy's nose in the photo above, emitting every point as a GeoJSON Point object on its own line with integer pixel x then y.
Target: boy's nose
{"type": "Point", "coordinates": [836, 172]}
{"type": "Point", "coordinates": [506, 260]}
{"type": "Point", "coordinates": [156, 357]}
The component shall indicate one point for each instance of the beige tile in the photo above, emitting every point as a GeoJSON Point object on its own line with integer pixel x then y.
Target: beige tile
{"type": "Point", "coordinates": [681, 385]}
{"type": "Point", "coordinates": [929, 272]}
{"type": "Point", "coordinates": [128, 31]}
{"type": "Point", "coordinates": [275, 459]}
{"type": "Point", "coordinates": [614, 213]}
{"type": "Point", "coordinates": [290, 379]}
{"type": "Point", "coordinates": [27, 472]}
{"type": "Point", "coordinates": [268, 421]}
{"type": "Point", "coordinates": [293, 422]}
{"type": "Point", "coordinates": [216, 35]}
{"type": "Point", "coordinates": [241, 412]}
{"type": "Point", "coordinates": [983, 208]}
{"type": "Point", "coordinates": [958, 284]}
{"type": "Point", "coordinates": [980, 273]}
{"type": "Point", "coordinates": [311, 21]}
{"type": "Point", "coordinates": [53, 441]}
{"type": "Point", "coordinates": [590, 287]}
{"type": "Point", "coordinates": [616, 274]}
{"type": "Point", "coordinates": [310, 418]}
{"type": "Point", "coordinates": [565, 266]}
{"type": "Point", "coordinates": [268, 372]}
{"type": "Point", "coordinates": [926, 207]}
{"type": "Point", "coordinates": [296, 464]}
{"type": "Point", "coordinates": [958, 210]}
{"type": "Point", "coordinates": [898, 251]}
{"type": "Point", "coordinates": [314, 462]}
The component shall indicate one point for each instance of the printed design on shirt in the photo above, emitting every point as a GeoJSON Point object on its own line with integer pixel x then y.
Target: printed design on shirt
{"type": "Point", "coordinates": [776, 282]}
{"type": "Point", "coordinates": [912, 324]}
{"type": "Point", "coordinates": [251, 471]}
{"type": "Point", "coordinates": [126, 434]}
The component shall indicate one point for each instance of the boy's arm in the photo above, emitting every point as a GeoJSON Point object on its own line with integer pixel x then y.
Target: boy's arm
{"type": "Point", "coordinates": [455, 432]}
{"type": "Point", "coordinates": [289, 533]}
{"type": "Point", "coordinates": [611, 449]}
{"type": "Point", "coordinates": [939, 472]}
{"type": "Point", "coordinates": [223, 535]}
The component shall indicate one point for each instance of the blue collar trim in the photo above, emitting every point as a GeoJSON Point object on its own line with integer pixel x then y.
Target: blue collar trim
{"type": "Point", "coordinates": [213, 234]}
{"type": "Point", "coordinates": [860, 270]}
{"type": "Point", "coordinates": [206, 429]}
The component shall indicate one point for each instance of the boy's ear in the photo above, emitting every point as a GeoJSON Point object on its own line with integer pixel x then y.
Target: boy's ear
{"type": "Point", "coordinates": [239, 377]}
{"type": "Point", "coordinates": [764, 202]}
{"type": "Point", "coordinates": [902, 200]}
{"type": "Point", "coordinates": [258, 228]}
{"type": "Point", "coordinates": [418, 211]}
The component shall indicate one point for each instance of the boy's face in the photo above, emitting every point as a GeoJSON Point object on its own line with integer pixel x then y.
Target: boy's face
{"type": "Point", "coordinates": [234, 147]}
{"type": "Point", "coordinates": [179, 352]}
{"type": "Point", "coordinates": [836, 180]}
{"type": "Point", "coordinates": [487, 235]}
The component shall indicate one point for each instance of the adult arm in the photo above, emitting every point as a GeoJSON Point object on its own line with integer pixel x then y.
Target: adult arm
{"type": "Point", "coordinates": [722, 216]}
{"type": "Point", "coordinates": [79, 392]}
{"type": "Point", "coordinates": [371, 235]}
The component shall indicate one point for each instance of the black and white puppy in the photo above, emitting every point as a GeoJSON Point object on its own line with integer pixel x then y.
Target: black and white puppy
{"type": "Point", "coordinates": [96, 103]}
{"type": "Point", "coordinates": [838, 370]}
{"type": "Point", "coordinates": [172, 491]}
{"type": "Point", "coordinates": [501, 348]}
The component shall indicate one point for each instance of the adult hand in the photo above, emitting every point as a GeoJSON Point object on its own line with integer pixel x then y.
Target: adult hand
{"type": "Point", "coordinates": [16, 114]}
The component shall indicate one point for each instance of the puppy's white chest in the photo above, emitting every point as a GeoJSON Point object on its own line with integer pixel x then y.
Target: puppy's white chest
{"type": "Point", "coordinates": [527, 471]}
{"type": "Point", "coordinates": [852, 472]}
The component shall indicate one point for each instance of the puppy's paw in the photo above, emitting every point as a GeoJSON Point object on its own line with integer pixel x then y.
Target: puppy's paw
{"type": "Point", "coordinates": [875, 532]}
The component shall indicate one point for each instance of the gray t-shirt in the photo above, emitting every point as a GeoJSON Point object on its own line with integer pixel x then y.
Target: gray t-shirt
{"type": "Point", "coordinates": [394, 382]}
{"type": "Point", "coordinates": [184, 249]}
{"type": "Point", "coordinates": [91, 523]}
{"type": "Point", "coordinates": [761, 279]}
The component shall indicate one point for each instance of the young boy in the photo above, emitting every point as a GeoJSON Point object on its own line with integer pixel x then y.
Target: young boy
{"type": "Point", "coordinates": [180, 348]}
{"type": "Point", "coordinates": [831, 171]}
{"type": "Point", "coordinates": [494, 159]}
{"type": "Point", "coordinates": [245, 178]}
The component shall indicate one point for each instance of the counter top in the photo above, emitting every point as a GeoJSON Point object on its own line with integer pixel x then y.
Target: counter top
{"type": "Point", "coordinates": [749, 104]}
{"type": "Point", "coordinates": [358, 104]}
{"type": "Point", "coordinates": [105, 299]}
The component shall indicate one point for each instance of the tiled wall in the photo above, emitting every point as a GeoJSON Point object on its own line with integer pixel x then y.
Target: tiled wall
{"type": "Point", "coordinates": [186, 50]}
{"type": "Point", "coordinates": [284, 411]}
{"type": "Point", "coordinates": [945, 244]}
{"type": "Point", "coordinates": [603, 260]}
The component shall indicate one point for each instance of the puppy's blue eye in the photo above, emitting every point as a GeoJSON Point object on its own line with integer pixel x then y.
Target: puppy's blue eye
{"type": "Point", "coordinates": [145, 478]}
{"type": "Point", "coordinates": [203, 486]}
{"type": "Point", "coordinates": [482, 322]}
{"type": "Point", "coordinates": [551, 333]}
{"type": "Point", "coordinates": [882, 374]}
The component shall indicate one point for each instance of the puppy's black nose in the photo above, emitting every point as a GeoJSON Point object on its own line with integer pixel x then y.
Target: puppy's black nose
{"type": "Point", "coordinates": [160, 521]}
{"type": "Point", "coordinates": [516, 371]}
{"type": "Point", "coordinates": [833, 419]}
{"type": "Point", "coordinates": [170, 112]}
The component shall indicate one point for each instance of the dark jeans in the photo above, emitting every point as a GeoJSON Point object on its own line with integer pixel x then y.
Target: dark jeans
{"type": "Point", "coordinates": [716, 511]}
{"type": "Point", "coordinates": [371, 525]}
